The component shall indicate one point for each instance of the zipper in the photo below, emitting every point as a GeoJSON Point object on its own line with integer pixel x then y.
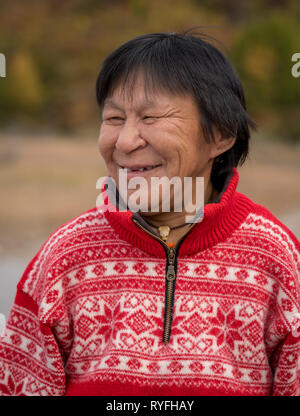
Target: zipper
{"type": "Point", "coordinates": [171, 274]}
{"type": "Point", "coordinates": [169, 299]}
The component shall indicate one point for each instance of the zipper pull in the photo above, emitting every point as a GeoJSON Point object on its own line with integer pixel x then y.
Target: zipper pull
{"type": "Point", "coordinates": [171, 270]}
{"type": "Point", "coordinates": [171, 273]}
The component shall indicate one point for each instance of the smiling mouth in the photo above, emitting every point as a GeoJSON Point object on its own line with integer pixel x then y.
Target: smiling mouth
{"type": "Point", "coordinates": [144, 169]}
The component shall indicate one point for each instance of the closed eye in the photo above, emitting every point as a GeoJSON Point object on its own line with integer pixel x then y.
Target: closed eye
{"type": "Point", "coordinates": [150, 118]}
{"type": "Point", "coordinates": [114, 120]}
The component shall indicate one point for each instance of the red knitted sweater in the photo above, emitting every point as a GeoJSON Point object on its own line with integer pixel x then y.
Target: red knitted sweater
{"type": "Point", "coordinates": [105, 308]}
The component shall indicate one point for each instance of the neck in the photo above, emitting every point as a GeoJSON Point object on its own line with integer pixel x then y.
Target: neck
{"type": "Point", "coordinates": [219, 221]}
{"type": "Point", "coordinates": [174, 219]}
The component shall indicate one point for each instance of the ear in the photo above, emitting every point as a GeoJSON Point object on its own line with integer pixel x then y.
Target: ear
{"type": "Point", "coordinates": [221, 144]}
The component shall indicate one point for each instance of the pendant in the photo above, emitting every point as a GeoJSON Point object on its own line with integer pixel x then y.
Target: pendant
{"type": "Point", "coordinates": [164, 231]}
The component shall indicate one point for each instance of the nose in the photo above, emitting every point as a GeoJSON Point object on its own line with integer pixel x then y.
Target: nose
{"type": "Point", "coordinates": [129, 138]}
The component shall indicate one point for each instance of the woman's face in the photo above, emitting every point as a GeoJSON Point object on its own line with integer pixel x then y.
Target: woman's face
{"type": "Point", "coordinates": [160, 132]}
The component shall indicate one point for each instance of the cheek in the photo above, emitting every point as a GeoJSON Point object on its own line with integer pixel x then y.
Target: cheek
{"type": "Point", "coordinates": [161, 141]}
{"type": "Point", "coordinates": [106, 142]}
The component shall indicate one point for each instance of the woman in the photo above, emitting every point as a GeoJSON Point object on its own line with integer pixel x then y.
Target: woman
{"type": "Point", "coordinates": [124, 302]}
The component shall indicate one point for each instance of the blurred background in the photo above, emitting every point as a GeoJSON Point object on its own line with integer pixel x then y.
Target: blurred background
{"type": "Point", "coordinates": [49, 120]}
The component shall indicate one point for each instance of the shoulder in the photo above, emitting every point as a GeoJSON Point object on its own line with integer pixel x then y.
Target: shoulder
{"type": "Point", "coordinates": [273, 245]}
{"type": "Point", "coordinates": [65, 248]}
{"type": "Point", "coordinates": [273, 251]}
{"type": "Point", "coordinates": [262, 223]}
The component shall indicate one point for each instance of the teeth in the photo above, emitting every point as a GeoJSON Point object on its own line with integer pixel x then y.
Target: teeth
{"type": "Point", "coordinates": [139, 170]}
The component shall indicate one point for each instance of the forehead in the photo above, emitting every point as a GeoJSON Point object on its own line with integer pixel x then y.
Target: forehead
{"type": "Point", "coordinates": [118, 102]}
{"type": "Point", "coordinates": [140, 95]}
{"type": "Point", "coordinates": [140, 86]}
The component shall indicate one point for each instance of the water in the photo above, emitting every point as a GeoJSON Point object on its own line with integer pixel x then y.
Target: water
{"type": "Point", "coordinates": [11, 270]}
{"type": "Point", "coordinates": [2, 323]}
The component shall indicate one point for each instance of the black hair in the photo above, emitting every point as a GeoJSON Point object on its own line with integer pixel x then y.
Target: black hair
{"type": "Point", "coordinates": [186, 64]}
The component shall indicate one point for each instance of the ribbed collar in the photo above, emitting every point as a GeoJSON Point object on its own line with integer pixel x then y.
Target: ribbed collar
{"type": "Point", "coordinates": [219, 221]}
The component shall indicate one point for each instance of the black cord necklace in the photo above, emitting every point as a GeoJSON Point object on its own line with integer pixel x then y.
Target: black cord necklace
{"type": "Point", "coordinates": [164, 230]}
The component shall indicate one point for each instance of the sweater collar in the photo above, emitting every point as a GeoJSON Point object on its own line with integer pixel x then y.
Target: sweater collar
{"type": "Point", "coordinates": [220, 219]}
